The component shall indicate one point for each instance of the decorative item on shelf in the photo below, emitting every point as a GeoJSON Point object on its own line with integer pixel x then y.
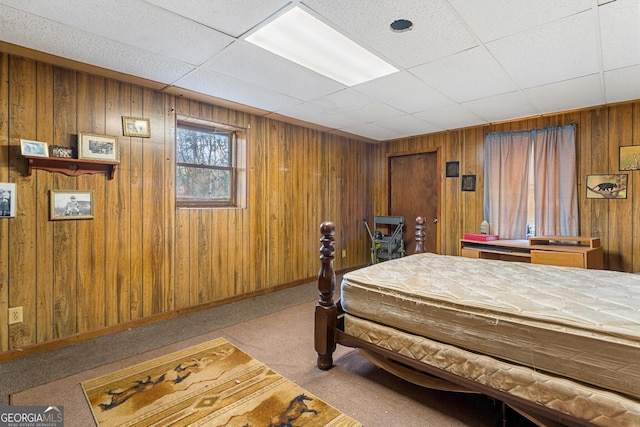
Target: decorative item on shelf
{"type": "Point", "coordinates": [453, 169]}
{"type": "Point", "coordinates": [630, 158]}
{"type": "Point", "coordinates": [61, 152]}
{"type": "Point", "coordinates": [34, 148]}
{"type": "Point", "coordinates": [8, 200]}
{"type": "Point", "coordinates": [484, 227]}
{"type": "Point", "coordinates": [71, 204]}
{"type": "Point", "coordinates": [98, 147]}
{"type": "Point", "coordinates": [468, 183]}
{"type": "Point", "coordinates": [612, 186]}
{"type": "Point", "coordinates": [136, 126]}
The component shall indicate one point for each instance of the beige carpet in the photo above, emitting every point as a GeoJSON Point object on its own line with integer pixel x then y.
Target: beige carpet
{"type": "Point", "coordinates": [284, 342]}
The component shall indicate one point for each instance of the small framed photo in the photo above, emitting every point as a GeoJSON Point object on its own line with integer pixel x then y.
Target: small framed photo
{"type": "Point", "coordinates": [612, 186]}
{"type": "Point", "coordinates": [71, 204]}
{"type": "Point", "coordinates": [468, 183]}
{"type": "Point", "coordinates": [98, 147]}
{"type": "Point", "coordinates": [136, 126]}
{"type": "Point", "coordinates": [59, 151]}
{"type": "Point", "coordinates": [34, 148]}
{"type": "Point", "coordinates": [453, 169]}
{"type": "Point", "coordinates": [8, 200]}
{"type": "Point", "coordinates": [630, 158]}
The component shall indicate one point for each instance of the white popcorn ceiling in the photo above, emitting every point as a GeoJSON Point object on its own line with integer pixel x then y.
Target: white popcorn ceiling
{"type": "Point", "coordinates": [464, 63]}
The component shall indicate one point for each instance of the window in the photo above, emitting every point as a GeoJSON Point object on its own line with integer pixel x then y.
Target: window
{"type": "Point", "coordinates": [530, 183]}
{"type": "Point", "coordinates": [207, 165]}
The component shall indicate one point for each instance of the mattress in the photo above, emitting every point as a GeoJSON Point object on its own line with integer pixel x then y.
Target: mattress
{"type": "Point", "coordinates": [599, 407]}
{"type": "Point", "coordinates": [575, 323]}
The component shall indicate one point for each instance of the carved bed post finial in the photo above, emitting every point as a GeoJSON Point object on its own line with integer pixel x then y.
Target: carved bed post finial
{"type": "Point", "coordinates": [420, 221]}
{"type": "Point", "coordinates": [327, 276]}
{"type": "Point", "coordinates": [326, 316]}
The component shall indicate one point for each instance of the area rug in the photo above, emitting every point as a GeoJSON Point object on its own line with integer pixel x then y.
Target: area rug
{"type": "Point", "coordinates": [214, 384]}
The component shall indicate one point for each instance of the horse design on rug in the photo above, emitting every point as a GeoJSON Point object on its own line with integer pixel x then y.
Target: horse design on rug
{"type": "Point", "coordinates": [175, 376]}
{"type": "Point", "coordinates": [296, 408]}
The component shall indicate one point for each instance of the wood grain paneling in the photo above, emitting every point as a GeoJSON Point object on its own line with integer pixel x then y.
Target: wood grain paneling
{"type": "Point", "coordinates": [141, 257]}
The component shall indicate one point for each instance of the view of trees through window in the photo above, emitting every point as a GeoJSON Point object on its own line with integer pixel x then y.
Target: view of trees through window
{"type": "Point", "coordinates": [204, 166]}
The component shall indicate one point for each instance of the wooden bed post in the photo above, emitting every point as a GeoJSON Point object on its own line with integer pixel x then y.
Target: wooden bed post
{"type": "Point", "coordinates": [326, 309]}
{"type": "Point", "coordinates": [420, 235]}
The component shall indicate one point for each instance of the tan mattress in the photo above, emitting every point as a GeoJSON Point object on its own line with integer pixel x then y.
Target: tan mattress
{"type": "Point", "coordinates": [597, 406]}
{"type": "Point", "coordinates": [577, 323]}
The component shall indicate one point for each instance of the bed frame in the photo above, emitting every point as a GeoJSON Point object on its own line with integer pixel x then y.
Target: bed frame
{"type": "Point", "coordinates": [329, 332]}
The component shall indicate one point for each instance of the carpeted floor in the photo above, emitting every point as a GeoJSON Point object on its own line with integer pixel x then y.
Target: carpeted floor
{"type": "Point", "coordinates": [276, 329]}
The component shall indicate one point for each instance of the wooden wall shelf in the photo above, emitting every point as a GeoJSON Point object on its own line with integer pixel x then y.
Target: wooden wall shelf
{"type": "Point", "coordinates": [72, 167]}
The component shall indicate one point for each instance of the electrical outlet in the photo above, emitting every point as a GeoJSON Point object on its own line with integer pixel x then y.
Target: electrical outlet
{"type": "Point", "coordinates": [344, 253]}
{"type": "Point", "coordinates": [15, 315]}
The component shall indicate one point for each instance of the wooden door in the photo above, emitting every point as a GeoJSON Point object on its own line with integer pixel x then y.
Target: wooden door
{"type": "Point", "coordinates": [414, 190]}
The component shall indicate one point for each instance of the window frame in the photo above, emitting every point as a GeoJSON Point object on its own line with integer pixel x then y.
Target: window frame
{"type": "Point", "coordinates": [210, 127]}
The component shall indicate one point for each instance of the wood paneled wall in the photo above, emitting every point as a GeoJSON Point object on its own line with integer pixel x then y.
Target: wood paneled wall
{"type": "Point", "coordinates": [141, 258]}
{"type": "Point", "coordinates": [600, 133]}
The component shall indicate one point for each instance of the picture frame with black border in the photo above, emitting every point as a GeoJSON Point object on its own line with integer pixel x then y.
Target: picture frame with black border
{"type": "Point", "coordinates": [452, 169]}
{"type": "Point", "coordinates": [468, 183]}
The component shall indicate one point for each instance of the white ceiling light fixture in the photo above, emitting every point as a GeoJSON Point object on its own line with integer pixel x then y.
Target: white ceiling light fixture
{"type": "Point", "coordinates": [307, 41]}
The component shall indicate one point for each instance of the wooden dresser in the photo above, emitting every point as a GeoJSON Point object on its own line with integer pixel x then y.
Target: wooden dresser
{"type": "Point", "coordinates": [583, 252]}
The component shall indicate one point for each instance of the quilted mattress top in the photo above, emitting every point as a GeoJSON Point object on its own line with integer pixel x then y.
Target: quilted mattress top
{"type": "Point", "coordinates": [584, 324]}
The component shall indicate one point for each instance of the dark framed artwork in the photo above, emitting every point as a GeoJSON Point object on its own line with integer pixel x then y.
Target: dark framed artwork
{"type": "Point", "coordinates": [630, 158]}
{"type": "Point", "coordinates": [468, 183]}
{"type": "Point", "coordinates": [610, 186]}
{"type": "Point", "coordinates": [452, 170]}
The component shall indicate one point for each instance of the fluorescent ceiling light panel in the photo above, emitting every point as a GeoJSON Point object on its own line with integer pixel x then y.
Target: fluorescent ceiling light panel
{"type": "Point", "coordinates": [305, 40]}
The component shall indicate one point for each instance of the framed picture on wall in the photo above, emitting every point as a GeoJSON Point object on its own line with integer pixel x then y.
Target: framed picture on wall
{"type": "Point", "coordinates": [136, 126]}
{"type": "Point", "coordinates": [612, 186]}
{"type": "Point", "coordinates": [98, 147]}
{"type": "Point", "coordinates": [452, 170]}
{"type": "Point", "coordinates": [630, 158]}
{"type": "Point", "coordinates": [34, 148]}
{"type": "Point", "coordinates": [468, 183]}
{"type": "Point", "coordinates": [71, 204]}
{"type": "Point", "coordinates": [8, 200]}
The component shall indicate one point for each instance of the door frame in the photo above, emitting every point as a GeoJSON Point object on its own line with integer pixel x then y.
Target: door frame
{"type": "Point", "coordinates": [411, 222]}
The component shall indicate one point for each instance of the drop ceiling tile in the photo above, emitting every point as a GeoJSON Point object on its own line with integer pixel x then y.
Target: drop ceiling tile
{"type": "Point", "coordinates": [450, 117]}
{"type": "Point", "coordinates": [494, 19]}
{"type": "Point", "coordinates": [555, 52]}
{"type": "Point", "coordinates": [232, 17]}
{"type": "Point", "coordinates": [620, 33]}
{"type": "Point", "coordinates": [622, 84]}
{"type": "Point", "coordinates": [437, 31]}
{"type": "Point", "coordinates": [467, 75]}
{"type": "Point", "coordinates": [67, 42]}
{"type": "Point", "coordinates": [134, 23]}
{"type": "Point", "coordinates": [221, 86]}
{"type": "Point", "coordinates": [407, 125]}
{"type": "Point", "coordinates": [502, 107]}
{"type": "Point", "coordinates": [314, 113]}
{"type": "Point", "coordinates": [247, 62]}
{"type": "Point", "coordinates": [371, 131]}
{"type": "Point", "coordinates": [567, 95]}
{"type": "Point", "coordinates": [403, 91]}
